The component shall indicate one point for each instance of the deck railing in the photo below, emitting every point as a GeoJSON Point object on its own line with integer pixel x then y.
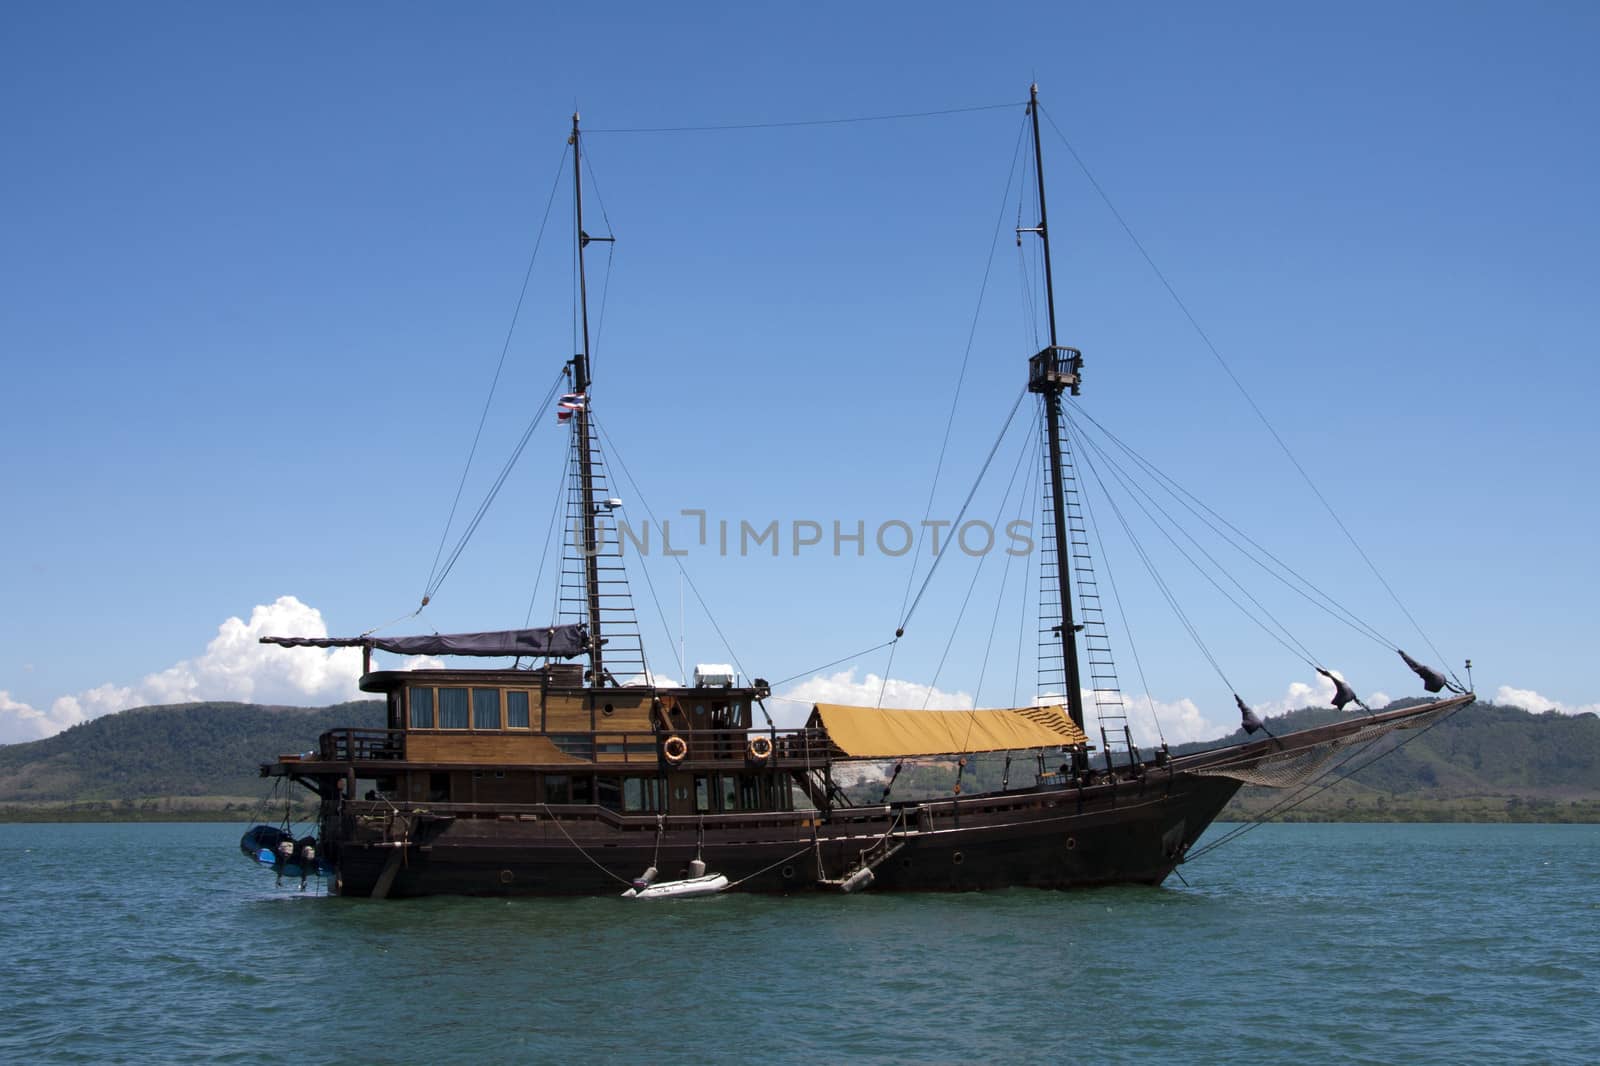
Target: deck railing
{"type": "Point", "coordinates": [359, 745]}
{"type": "Point", "coordinates": [704, 745]}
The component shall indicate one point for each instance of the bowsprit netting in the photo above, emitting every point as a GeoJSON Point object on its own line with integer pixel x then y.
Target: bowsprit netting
{"type": "Point", "coordinates": [1294, 766]}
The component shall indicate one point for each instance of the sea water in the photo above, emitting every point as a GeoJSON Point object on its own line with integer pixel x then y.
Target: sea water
{"type": "Point", "coordinates": [1295, 943]}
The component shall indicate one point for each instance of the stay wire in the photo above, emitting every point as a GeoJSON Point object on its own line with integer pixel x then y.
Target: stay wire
{"type": "Point", "coordinates": [1155, 573]}
{"type": "Point", "coordinates": [1327, 604]}
{"type": "Point", "coordinates": [494, 490]}
{"type": "Point", "coordinates": [1122, 612]}
{"type": "Point", "coordinates": [1005, 576]}
{"type": "Point", "coordinates": [1027, 572]}
{"type": "Point", "coordinates": [644, 568]}
{"type": "Point", "coordinates": [1023, 496]}
{"type": "Point", "coordinates": [977, 572]}
{"type": "Point", "coordinates": [549, 533]}
{"type": "Point", "coordinates": [1282, 444]}
{"type": "Point", "coordinates": [836, 662]}
{"type": "Point", "coordinates": [649, 513]}
{"type": "Point", "coordinates": [499, 366]}
{"type": "Point", "coordinates": [1136, 490]}
{"type": "Point", "coordinates": [1133, 495]}
{"type": "Point", "coordinates": [720, 127]}
{"type": "Point", "coordinates": [611, 255]}
{"type": "Point", "coordinates": [961, 376]}
{"type": "Point", "coordinates": [939, 556]}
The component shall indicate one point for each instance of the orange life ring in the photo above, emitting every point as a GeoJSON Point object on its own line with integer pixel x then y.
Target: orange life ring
{"type": "Point", "coordinates": [760, 748]}
{"type": "Point", "coordinates": [675, 749]}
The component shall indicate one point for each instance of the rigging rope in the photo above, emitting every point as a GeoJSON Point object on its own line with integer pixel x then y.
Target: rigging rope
{"type": "Point", "coordinates": [1294, 646]}
{"type": "Point", "coordinates": [804, 122]}
{"type": "Point", "coordinates": [1261, 415]}
{"type": "Point", "coordinates": [644, 568]}
{"type": "Point", "coordinates": [1005, 576]}
{"type": "Point", "coordinates": [493, 385]}
{"type": "Point", "coordinates": [824, 666]}
{"type": "Point", "coordinates": [544, 555]}
{"type": "Point", "coordinates": [1155, 575]}
{"type": "Point", "coordinates": [977, 572]}
{"type": "Point", "coordinates": [494, 490]}
{"type": "Point", "coordinates": [1122, 613]}
{"type": "Point", "coordinates": [649, 513]}
{"type": "Point", "coordinates": [1190, 501]}
{"type": "Point", "coordinates": [961, 376]}
{"type": "Point", "coordinates": [939, 556]}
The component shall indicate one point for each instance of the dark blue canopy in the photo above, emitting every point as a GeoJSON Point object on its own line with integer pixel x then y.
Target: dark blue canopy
{"type": "Point", "coordinates": [557, 642]}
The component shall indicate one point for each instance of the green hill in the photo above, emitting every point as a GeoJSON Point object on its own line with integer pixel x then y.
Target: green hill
{"type": "Point", "coordinates": [189, 750]}
{"type": "Point", "coordinates": [1484, 763]}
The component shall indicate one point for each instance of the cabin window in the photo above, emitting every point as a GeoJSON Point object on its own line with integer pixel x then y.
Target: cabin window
{"type": "Point", "coordinates": [421, 708]}
{"type": "Point", "coordinates": [577, 744]}
{"type": "Point", "coordinates": [452, 708]}
{"type": "Point", "coordinates": [702, 793]}
{"type": "Point", "coordinates": [642, 794]}
{"type": "Point", "coordinates": [516, 710]}
{"type": "Point", "coordinates": [609, 791]}
{"type": "Point", "coordinates": [730, 792]}
{"type": "Point", "coordinates": [486, 708]}
{"type": "Point", "coordinates": [749, 793]}
{"type": "Point", "coordinates": [557, 788]}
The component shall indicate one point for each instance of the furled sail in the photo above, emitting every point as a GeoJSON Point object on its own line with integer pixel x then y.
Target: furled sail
{"type": "Point", "coordinates": [873, 733]}
{"type": "Point", "coordinates": [560, 642]}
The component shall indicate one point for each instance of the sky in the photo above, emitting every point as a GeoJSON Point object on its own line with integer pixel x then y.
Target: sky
{"type": "Point", "coordinates": [259, 266]}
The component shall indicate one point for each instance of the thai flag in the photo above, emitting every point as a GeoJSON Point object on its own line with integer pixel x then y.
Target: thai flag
{"type": "Point", "coordinates": [572, 401]}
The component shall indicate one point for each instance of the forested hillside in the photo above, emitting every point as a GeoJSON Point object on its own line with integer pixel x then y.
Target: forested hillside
{"type": "Point", "coordinates": [1484, 762]}
{"type": "Point", "coordinates": [194, 749]}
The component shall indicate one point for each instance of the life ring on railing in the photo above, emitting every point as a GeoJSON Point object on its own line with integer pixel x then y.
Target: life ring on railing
{"type": "Point", "coordinates": [675, 749]}
{"type": "Point", "coordinates": [760, 748]}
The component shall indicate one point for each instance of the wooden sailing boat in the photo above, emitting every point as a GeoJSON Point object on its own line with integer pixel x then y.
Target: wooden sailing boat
{"type": "Point", "coordinates": [588, 778]}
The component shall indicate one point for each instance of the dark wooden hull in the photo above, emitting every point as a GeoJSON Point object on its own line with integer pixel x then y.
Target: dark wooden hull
{"type": "Point", "coordinates": [1130, 832]}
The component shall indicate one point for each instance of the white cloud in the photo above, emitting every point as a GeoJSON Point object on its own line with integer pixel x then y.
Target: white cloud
{"type": "Point", "coordinates": [1181, 720]}
{"type": "Point", "coordinates": [234, 666]}
{"type": "Point", "coordinates": [1317, 693]}
{"type": "Point", "coordinates": [18, 721]}
{"type": "Point", "coordinates": [795, 703]}
{"type": "Point", "coordinates": [1529, 700]}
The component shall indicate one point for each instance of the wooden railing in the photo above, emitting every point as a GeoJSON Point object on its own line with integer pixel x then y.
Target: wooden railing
{"type": "Point", "coordinates": [360, 745]}
{"type": "Point", "coordinates": [704, 745]}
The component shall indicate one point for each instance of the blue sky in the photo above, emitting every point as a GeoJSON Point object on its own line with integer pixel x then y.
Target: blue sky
{"type": "Point", "coordinates": [258, 266]}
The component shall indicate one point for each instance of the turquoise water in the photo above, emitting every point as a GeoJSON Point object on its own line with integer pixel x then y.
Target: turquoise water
{"type": "Point", "coordinates": [1363, 943]}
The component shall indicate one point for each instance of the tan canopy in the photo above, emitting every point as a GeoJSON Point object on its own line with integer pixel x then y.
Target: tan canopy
{"type": "Point", "coordinates": [870, 733]}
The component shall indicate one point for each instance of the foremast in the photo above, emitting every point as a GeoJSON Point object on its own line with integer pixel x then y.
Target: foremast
{"type": "Point", "coordinates": [590, 509]}
{"type": "Point", "coordinates": [1052, 372]}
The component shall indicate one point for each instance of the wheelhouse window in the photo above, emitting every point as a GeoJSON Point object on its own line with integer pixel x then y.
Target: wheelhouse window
{"type": "Point", "coordinates": [486, 708]}
{"type": "Point", "coordinates": [642, 794]}
{"type": "Point", "coordinates": [452, 708]}
{"type": "Point", "coordinates": [421, 708]}
{"type": "Point", "coordinates": [516, 710]}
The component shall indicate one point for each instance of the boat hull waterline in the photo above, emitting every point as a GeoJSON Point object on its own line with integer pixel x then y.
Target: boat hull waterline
{"type": "Point", "coordinates": [1071, 838]}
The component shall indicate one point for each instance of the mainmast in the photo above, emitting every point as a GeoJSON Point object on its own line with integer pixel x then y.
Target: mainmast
{"type": "Point", "coordinates": [1050, 373]}
{"type": "Point", "coordinates": [580, 385]}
